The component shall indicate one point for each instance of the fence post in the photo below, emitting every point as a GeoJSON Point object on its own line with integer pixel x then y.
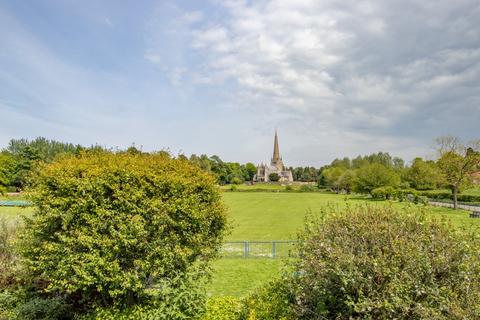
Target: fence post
{"type": "Point", "coordinates": [245, 249]}
{"type": "Point", "coordinates": [274, 248]}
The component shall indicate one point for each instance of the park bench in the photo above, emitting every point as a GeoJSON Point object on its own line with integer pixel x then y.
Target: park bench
{"type": "Point", "coordinates": [475, 214]}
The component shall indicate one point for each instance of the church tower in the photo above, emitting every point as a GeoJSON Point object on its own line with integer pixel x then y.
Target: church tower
{"type": "Point", "coordinates": [276, 159]}
{"type": "Point", "coordinates": [276, 166]}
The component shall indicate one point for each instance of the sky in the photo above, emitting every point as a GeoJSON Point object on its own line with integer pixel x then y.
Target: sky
{"type": "Point", "coordinates": [336, 78]}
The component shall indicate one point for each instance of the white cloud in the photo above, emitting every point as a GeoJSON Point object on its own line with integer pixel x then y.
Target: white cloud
{"type": "Point", "coordinates": [364, 68]}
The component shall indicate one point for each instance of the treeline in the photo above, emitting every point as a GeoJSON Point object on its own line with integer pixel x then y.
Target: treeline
{"type": "Point", "coordinates": [384, 175]}
{"type": "Point", "coordinates": [18, 160]}
{"type": "Point", "coordinates": [454, 168]}
{"type": "Point", "coordinates": [365, 173]}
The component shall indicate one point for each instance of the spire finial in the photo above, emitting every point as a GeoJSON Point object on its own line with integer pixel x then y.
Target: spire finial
{"type": "Point", "coordinates": [276, 149]}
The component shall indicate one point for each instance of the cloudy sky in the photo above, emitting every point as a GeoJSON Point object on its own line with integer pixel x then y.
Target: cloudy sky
{"type": "Point", "coordinates": [337, 78]}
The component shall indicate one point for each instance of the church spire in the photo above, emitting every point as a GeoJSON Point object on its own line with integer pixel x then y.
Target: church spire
{"type": "Point", "coordinates": [276, 151]}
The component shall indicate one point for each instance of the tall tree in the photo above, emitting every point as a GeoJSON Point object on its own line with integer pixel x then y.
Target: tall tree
{"type": "Point", "coordinates": [423, 175]}
{"type": "Point", "coordinates": [374, 176]}
{"type": "Point", "coordinates": [458, 162]}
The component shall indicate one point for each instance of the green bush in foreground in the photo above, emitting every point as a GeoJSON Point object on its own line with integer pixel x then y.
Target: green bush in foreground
{"type": "Point", "coordinates": [272, 301]}
{"type": "Point", "coordinates": [222, 308]}
{"type": "Point", "coordinates": [380, 263]}
{"type": "Point", "coordinates": [116, 229]}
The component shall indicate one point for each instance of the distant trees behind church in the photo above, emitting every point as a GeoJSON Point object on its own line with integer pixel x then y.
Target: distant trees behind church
{"type": "Point", "coordinates": [226, 172]}
{"type": "Point", "coordinates": [365, 173]}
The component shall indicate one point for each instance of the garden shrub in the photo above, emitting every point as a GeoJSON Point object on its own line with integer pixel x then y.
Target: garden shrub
{"type": "Point", "coordinates": [222, 308]}
{"type": "Point", "coordinates": [8, 256]}
{"type": "Point", "coordinates": [236, 180]}
{"type": "Point", "coordinates": [273, 301]}
{"type": "Point", "coordinates": [113, 229]}
{"type": "Point", "coordinates": [403, 194]}
{"type": "Point", "coordinates": [43, 309]}
{"type": "Point", "coordinates": [307, 188]}
{"type": "Point", "coordinates": [182, 298]}
{"type": "Point", "coordinates": [288, 188]}
{"type": "Point", "coordinates": [385, 193]}
{"type": "Point", "coordinates": [444, 195]}
{"type": "Point", "coordinates": [376, 262]}
{"type": "Point", "coordinates": [8, 302]}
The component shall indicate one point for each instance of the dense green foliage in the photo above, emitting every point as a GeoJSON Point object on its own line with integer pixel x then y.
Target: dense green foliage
{"type": "Point", "coordinates": [423, 175]}
{"type": "Point", "coordinates": [222, 308]}
{"type": "Point", "coordinates": [374, 176]}
{"type": "Point", "coordinates": [272, 301]}
{"type": "Point", "coordinates": [274, 177]}
{"type": "Point", "coordinates": [457, 163]}
{"type": "Point", "coordinates": [26, 154]}
{"type": "Point", "coordinates": [226, 172]}
{"type": "Point", "coordinates": [115, 229]}
{"type": "Point", "coordinates": [406, 267]}
{"type": "Point", "coordinates": [7, 166]}
{"type": "Point", "coordinates": [8, 256]}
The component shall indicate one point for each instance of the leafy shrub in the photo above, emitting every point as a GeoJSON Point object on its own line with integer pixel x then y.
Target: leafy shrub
{"type": "Point", "coordinates": [182, 298]}
{"type": "Point", "coordinates": [110, 228]}
{"type": "Point", "coordinates": [273, 301]}
{"type": "Point", "coordinates": [8, 256]}
{"type": "Point", "coordinates": [8, 302]}
{"type": "Point", "coordinates": [43, 309]}
{"type": "Point", "coordinates": [380, 263]}
{"type": "Point", "coordinates": [383, 193]}
{"type": "Point", "coordinates": [237, 180]}
{"type": "Point", "coordinates": [233, 187]}
{"type": "Point", "coordinates": [274, 177]}
{"type": "Point", "coordinates": [444, 195]}
{"type": "Point", "coordinates": [403, 194]}
{"type": "Point", "coordinates": [222, 308]}
{"type": "Point", "coordinates": [288, 188]}
{"type": "Point", "coordinates": [420, 200]}
{"type": "Point", "coordinates": [307, 188]}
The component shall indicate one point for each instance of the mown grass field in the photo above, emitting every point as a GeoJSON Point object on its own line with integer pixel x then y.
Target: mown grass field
{"type": "Point", "coordinates": [272, 216]}
{"type": "Point", "coordinates": [279, 216]}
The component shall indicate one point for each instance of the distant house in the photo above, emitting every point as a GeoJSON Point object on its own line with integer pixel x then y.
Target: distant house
{"type": "Point", "coordinates": [276, 166]}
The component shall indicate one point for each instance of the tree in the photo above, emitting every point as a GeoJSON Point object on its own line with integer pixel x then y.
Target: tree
{"type": "Point", "coordinates": [274, 177]}
{"type": "Point", "coordinates": [7, 170]}
{"type": "Point", "coordinates": [332, 177]}
{"type": "Point", "coordinates": [374, 176]}
{"type": "Point", "coordinates": [109, 228]}
{"type": "Point", "coordinates": [347, 180]}
{"type": "Point", "coordinates": [457, 162]}
{"type": "Point", "coordinates": [423, 175]}
{"type": "Point", "coordinates": [250, 171]}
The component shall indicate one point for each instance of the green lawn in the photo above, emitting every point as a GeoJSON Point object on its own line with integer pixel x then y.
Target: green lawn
{"type": "Point", "coordinates": [12, 214]}
{"type": "Point", "coordinates": [279, 216]}
{"type": "Point", "coordinates": [273, 215]}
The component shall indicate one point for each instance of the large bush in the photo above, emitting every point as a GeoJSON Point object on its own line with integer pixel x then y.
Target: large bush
{"type": "Point", "coordinates": [380, 263]}
{"type": "Point", "coordinates": [114, 229]}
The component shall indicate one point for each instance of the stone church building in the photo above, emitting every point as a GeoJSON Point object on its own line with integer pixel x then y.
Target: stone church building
{"type": "Point", "coordinates": [276, 166]}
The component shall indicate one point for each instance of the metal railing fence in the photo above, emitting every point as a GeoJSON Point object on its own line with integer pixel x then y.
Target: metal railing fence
{"type": "Point", "coordinates": [257, 249]}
